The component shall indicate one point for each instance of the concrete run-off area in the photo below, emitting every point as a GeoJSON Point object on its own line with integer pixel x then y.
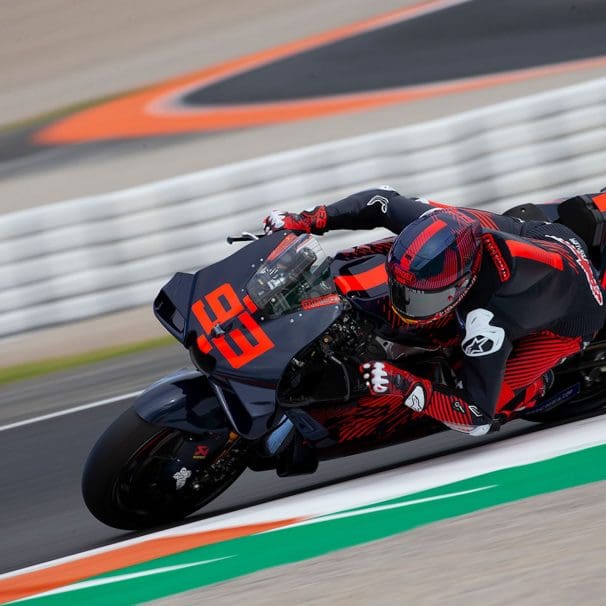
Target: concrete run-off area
{"type": "Point", "coordinates": [544, 551]}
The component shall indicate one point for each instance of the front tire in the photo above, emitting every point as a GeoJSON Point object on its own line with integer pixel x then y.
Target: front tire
{"type": "Point", "coordinates": [129, 478]}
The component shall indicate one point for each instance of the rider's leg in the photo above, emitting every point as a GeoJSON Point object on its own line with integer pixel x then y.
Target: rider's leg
{"type": "Point", "coordinates": [528, 374]}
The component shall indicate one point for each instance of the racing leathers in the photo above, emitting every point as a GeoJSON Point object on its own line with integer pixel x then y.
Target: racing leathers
{"type": "Point", "coordinates": [536, 301]}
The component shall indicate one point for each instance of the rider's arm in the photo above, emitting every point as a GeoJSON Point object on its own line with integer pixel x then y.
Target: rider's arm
{"type": "Point", "coordinates": [456, 408]}
{"type": "Point", "coordinates": [486, 348]}
{"type": "Point", "coordinates": [470, 407]}
{"type": "Point", "coordinates": [381, 207]}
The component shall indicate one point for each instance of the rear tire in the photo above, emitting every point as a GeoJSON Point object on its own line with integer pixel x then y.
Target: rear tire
{"type": "Point", "coordinates": [580, 406]}
{"type": "Point", "coordinates": [128, 478]}
{"type": "Point", "coordinates": [588, 370]}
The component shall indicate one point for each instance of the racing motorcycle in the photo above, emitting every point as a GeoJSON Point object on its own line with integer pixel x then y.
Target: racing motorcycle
{"type": "Point", "coordinates": [276, 333]}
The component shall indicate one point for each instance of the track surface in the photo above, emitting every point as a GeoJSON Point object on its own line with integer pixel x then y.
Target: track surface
{"type": "Point", "coordinates": [466, 40]}
{"type": "Point", "coordinates": [196, 35]}
{"type": "Point", "coordinates": [42, 515]}
{"type": "Point", "coordinates": [525, 553]}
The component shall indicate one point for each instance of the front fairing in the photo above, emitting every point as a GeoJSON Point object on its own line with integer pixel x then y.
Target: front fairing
{"type": "Point", "coordinates": [244, 352]}
{"type": "Point", "coordinates": [249, 347]}
{"type": "Point", "coordinates": [363, 280]}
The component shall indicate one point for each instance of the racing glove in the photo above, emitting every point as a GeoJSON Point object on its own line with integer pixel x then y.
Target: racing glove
{"type": "Point", "coordinates": [384, 379]}
{"type": "Point", "coordinates": [308, 221]}
{"type": "Point", "coordinates": [444, 405]}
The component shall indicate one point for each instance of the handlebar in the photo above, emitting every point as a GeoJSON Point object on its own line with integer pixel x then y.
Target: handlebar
{"type": "Point", "coordinates": [245, 236]}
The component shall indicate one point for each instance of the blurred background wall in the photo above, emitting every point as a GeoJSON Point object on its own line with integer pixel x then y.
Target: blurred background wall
{"type": "Point", "coordinates": [82, 255]}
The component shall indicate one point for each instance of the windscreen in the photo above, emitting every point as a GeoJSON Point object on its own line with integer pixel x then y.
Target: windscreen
{"type": "Point", "coordinates": [296, 275]}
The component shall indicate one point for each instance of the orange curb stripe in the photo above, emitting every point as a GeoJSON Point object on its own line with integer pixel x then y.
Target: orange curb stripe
{"type": "Point", "coordinates": [131, 117]}
{"type": "Point", "coordinates": [127, 118]}
{"type": "Point", "coordinates": [32, 583]}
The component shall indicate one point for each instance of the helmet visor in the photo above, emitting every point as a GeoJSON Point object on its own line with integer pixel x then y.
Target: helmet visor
{"type": "Point", "coordinates": [425, 304]}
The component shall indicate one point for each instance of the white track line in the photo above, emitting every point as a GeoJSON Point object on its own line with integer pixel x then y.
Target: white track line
{"type": "Point", "coordinates": [372, 491]}
{"type": "Point", "coordinates": [364, 510]}
{"type": "Point", "coordinates": [69, 411]}
{"type": "Point", "coordinates": [119, 578]}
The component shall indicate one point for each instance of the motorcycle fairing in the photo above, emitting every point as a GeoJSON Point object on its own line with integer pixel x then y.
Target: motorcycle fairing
{"type": "Point", "coordinates": [211, 310]}
{"type": "Point", "coordinates": [250, 408]}
{"type": "Point", "coordinates": [189, 401]}
{"type": "Point", "coordinates": [171, 305]}
{"type": "Point", "coordinates": [184, 400]}
{"type": "Point", "coordinates": [364, 282]}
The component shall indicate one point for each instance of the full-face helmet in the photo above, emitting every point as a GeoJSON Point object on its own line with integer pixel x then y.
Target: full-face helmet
{"type": "Point", "coordinates": [433, 263]}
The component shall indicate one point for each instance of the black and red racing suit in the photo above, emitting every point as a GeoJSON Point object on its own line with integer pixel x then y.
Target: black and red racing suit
{"type": "Point", "coordinates": [536, 301]}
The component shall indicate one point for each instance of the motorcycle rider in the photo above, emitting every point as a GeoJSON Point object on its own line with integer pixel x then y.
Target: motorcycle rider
{"type": "Point", "coordinates": [517, 296]}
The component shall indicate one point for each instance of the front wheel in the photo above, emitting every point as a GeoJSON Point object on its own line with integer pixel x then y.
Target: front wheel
{"type": "Point", "coordinates": [139, 475]}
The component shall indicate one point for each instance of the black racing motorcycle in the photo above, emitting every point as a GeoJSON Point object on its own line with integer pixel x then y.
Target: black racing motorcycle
{"type": "Point", "coordinates": [276, 333]}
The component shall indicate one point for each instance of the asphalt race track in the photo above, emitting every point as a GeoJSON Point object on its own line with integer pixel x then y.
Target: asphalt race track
{"type": "Point", "coordinates": [42, 515]}
{"type": "Point", "coordinates": [470, 39]}
{"type": "Point", "coordinates": [477, 38]}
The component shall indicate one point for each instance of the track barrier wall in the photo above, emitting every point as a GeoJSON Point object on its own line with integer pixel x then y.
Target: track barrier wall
{"type": "Point", "coordinates": [85, 257]}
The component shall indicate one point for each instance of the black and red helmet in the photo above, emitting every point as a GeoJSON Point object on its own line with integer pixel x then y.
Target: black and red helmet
{"type": "Point", "coordinates": [433, 263]}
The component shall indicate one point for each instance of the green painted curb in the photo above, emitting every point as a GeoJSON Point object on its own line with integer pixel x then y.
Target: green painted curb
{"type": "Point", "coordinates": [265, 550]}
